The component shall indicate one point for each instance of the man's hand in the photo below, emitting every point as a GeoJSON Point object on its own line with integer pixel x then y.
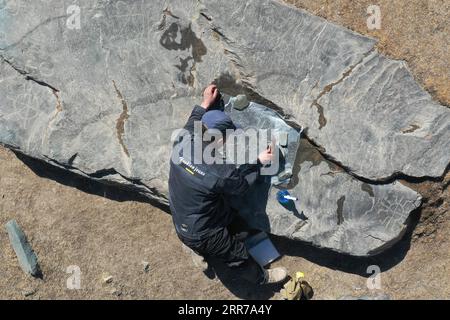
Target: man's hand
{"type": "Point", "coordinates": [209, 96]}
{"type": "Point", "coordinates": [266, 156]}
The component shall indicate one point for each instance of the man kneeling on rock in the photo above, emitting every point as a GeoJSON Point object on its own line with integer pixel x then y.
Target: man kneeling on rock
{"type": "Point", "coordinates": [198, 191]}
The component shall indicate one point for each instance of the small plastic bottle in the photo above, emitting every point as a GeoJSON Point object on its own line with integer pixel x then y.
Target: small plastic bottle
{"type": "Point", "coordinates": [284, 197]}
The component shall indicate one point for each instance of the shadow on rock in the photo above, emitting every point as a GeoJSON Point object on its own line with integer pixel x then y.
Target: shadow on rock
{"type": "Point", "coordinates": [71, 179]}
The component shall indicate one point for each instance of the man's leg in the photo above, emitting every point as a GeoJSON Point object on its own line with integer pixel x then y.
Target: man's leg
{"type": "Point", "coordinates": [233, 252]}
{"type": "Point", "coordinates": [230, 250]}
{"type": "Point", "coordinates": [239, 224]}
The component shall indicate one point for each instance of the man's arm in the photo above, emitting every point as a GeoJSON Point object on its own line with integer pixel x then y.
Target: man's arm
{"type": "Point", "coordinates": [196, 115]}
{"type": "Point", "coordinates": [209, 97]}
{"type": "Point", "coordinates": [240, 179]}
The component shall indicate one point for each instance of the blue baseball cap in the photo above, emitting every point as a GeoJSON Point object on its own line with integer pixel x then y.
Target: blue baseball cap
{"type": "Point", "coordinates": [216, 119]}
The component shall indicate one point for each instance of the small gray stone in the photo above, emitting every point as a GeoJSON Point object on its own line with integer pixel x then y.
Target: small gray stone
{"type": "Point", "coordinates": [107, 278]}
{"type": "Point", "coordinates": [29, 292]}
{"type": "Point", "coordinates": [382, 296]}
{"type": "Point", "coordinates": [25, 254]}
{"type": "Point", "coordinates": [240, 102]}
{"type": "Point", "coordinates": [146, 266]}
{"type": "Point", "coordinates": [116, 292]}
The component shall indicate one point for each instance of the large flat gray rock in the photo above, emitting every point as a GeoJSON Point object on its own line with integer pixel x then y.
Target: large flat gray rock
{"type": "Point", "coordinates": [366, 111]}
{"type": "Point", "coordinates": [400, 129]}
{"type": "Point", "coordinates": [335, 210]}
{"type": "Point", "coordinates": [104, 100]}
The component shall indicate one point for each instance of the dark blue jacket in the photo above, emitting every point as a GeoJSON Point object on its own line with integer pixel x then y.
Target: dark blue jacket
{"type": "Point", "coordinates": [198, 192]}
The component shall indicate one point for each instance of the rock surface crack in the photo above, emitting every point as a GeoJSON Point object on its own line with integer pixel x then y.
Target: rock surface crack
{"type": "Point", "coordinates": [120, 123]}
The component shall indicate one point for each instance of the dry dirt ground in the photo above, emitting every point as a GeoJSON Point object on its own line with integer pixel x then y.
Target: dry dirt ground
{"type": "Point", "coordinates": [71, 221]}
